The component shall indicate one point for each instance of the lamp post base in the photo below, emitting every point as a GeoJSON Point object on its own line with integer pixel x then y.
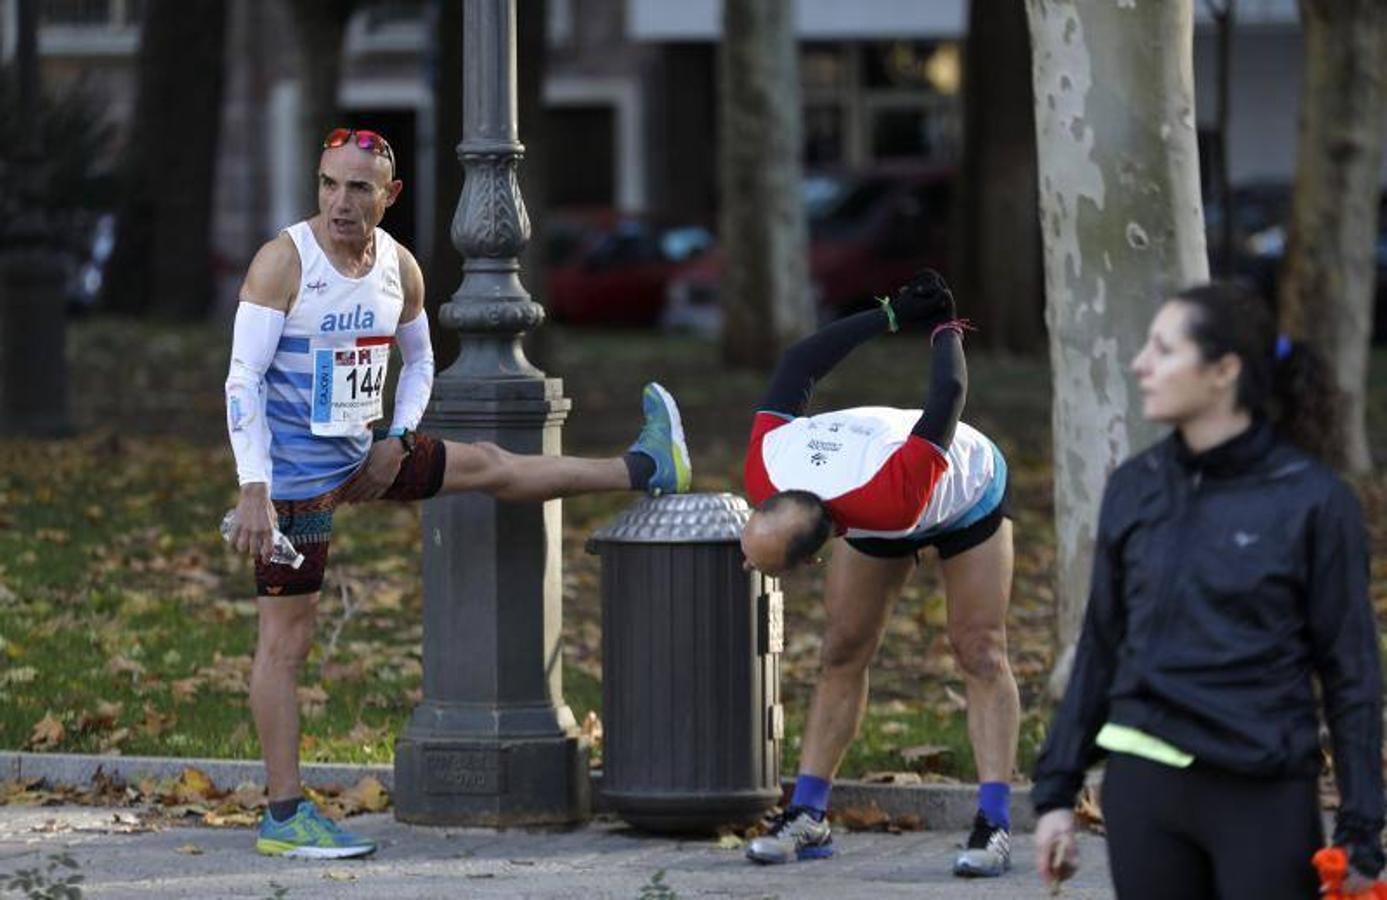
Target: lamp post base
{"type": "Point", "coordinates": [491, 784]}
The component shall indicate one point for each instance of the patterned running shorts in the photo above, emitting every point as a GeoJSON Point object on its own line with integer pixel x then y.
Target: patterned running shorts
{"type": "Point", "coordinates": [308, 523]}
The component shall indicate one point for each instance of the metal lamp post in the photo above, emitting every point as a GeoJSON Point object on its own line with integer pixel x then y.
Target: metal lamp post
{"type": "Point", "coordinates": [492, 743]}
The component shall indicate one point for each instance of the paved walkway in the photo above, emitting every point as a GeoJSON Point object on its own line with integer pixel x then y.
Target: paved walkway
{"type": "Point", "coordinates": [603, 859]}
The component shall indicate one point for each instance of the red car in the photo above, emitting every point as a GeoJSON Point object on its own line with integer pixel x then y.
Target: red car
{"type": "Point", "coordinates": [616, 273]}
{"type": "Point", "coordinates": [868, 233]}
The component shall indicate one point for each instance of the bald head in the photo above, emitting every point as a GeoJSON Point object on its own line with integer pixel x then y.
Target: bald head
{"type": "Point", "coordinates": [354, 190]}
{"type": "Point", "coordinates": [787, 529]}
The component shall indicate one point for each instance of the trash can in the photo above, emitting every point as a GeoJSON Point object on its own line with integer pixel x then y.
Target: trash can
{"type": "Point", "coordinates": [691, 645]}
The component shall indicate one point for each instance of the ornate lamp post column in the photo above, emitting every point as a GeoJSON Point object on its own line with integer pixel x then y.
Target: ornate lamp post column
{"type": "Point", "coordinates": [492, 743]}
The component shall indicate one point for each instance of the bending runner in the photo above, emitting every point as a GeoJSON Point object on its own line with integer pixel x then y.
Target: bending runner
{"type": "Point", "coordinates": [888, 483]}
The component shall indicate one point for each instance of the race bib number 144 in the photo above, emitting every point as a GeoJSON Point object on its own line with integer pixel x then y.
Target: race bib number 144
{"type": "Point", "coordinates": [347, 386]}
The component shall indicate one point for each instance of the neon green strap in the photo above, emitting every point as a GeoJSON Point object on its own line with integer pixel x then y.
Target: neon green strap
{"type": "Point", "coordinates": [1135, 742]}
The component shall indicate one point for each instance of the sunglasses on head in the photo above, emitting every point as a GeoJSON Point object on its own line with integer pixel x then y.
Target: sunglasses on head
{"type": "Point", "coordinates": [366, 140]}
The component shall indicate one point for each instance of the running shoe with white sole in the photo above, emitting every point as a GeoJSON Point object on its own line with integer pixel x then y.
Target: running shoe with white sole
{"type": "Point", "coordinates": [987, 853]}
{"type": "Point", "coordinates": [662, 439]}
{"type": "Point", "coordinates": [797, 833]}
{"type": "Point", "coordinates": [308, 834]}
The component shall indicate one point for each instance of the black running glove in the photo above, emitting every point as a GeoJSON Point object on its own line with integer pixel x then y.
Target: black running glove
{"type": "Point", "coordinates": [924, 299]}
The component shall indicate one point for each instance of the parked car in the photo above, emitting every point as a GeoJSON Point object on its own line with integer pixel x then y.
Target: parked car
{"type": "Point", "coordinates": [615, 272]}
{"type": "Point", "coordinates": [868, 232]}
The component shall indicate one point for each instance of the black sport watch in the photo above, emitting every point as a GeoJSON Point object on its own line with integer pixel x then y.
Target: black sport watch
{"type": "Point", "coordinates": [407, 441]}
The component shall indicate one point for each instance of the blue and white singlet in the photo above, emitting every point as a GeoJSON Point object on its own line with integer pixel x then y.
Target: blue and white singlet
{"type": "Point", "coordinates": [323, 386]}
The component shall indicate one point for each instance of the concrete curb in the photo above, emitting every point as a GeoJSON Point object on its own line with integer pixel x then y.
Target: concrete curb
{"type": "Point", "coordinates": [78, 768]}
{"type": "Point", "coordinates": [939, 806]}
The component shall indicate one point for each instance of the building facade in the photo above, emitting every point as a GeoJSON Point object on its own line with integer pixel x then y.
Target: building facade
{"type": "Point", "coordinates": [630, 94]}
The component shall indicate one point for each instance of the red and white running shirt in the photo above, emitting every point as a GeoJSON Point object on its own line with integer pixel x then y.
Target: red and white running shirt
{"type": "Point", "coordinates": [877, 479]}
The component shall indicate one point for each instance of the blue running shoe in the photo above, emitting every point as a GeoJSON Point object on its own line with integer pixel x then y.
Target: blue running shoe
{"type": "Point", "coordinates": [308, 834]}
{"type": "Point", "coordinates": [662, 439]}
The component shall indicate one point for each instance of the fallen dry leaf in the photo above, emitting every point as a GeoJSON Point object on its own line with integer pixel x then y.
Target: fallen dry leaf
{"type": "Point", "coordinates": [194, 786]}
{"type": "Point", "coordinates": [864, 818]}
{"type": "Point", "coordinates": [930, 757]}
{"type": "Point", "coordinates": [185, 689]}
{"type": "Point", "coordinates": [363, 734]}
{"type": "Point", "coordinates": [120, 665]}
{"type": "Point", "coordinates": [230, 816]}
{"type": "Point", "coordinates": [48, 733]}
{"type": "Point", "coordinates": [324, 799]}
{"type": "Point", "coordinates": [907, 822]}
{"type": "Point", "coordinates": [228, 673]}
{"type": "Point", "coordinates": [247, 795]}
{"type": "Point", "coordinates": [18, 786]}
{"type": "Point", "coordinates": [155, 723]}
{"type": "Point", "coordinates": [190, 850]}
{"type": "Point", "coordinates": [112, 741]}
{"type": "Point", "coordinates": [893, 778]}
{"type": "Point", "coordinates": [101, 719]}
{"type": "Point", "coordinates": [367, 795]}
{"type": "Point", "coordinates": [339, 875]}
{"type": "Point", "coordinates": [355, 670]}
{"type": "Point", "coordinates": [727, 840]}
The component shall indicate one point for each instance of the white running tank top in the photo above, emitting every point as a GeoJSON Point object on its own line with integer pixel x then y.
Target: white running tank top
{"type": "Point", "coordinates": [323, 385]}
{"type": "Point", "coordinates": [834, 453]}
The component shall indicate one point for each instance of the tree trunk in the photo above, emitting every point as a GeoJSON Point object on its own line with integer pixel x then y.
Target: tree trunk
{"type": "Point", "coordinates": [765, 288]}
{"type": "Point", "coordinates": [162, 261]}
{"type": "Point", "coordinates": [320, 25]}
{"type": "Point", "coordinates": [997, 205]}
{"type": "Point", "coordinates": [1123, 228]}
{"type": "Point", "coordinates": [1327, 286]}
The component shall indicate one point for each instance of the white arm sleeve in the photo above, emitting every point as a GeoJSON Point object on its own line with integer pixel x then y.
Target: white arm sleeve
{"type": "Point", "coordinates": [253, 346]}
{"type": "Point", "coordinates": [416, 378]}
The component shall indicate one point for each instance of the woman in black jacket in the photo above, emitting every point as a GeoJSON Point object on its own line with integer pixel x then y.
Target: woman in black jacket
{"type": "Point", "coordinates": [1230, 573]}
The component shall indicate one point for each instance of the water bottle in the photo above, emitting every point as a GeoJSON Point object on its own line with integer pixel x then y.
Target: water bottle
{"type": "Point", "coordinates": [283, 554]}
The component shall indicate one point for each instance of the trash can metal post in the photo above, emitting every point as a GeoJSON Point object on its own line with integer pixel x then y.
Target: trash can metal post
{"type": "Point", "coordinates": [691, 667]}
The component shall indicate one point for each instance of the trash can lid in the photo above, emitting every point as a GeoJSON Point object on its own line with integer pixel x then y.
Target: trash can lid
{"type": "Point", "coordinates": [677, 519]}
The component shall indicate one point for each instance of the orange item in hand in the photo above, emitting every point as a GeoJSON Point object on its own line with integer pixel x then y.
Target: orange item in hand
{"type": "Point", "coordinates": [1332, 864]}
